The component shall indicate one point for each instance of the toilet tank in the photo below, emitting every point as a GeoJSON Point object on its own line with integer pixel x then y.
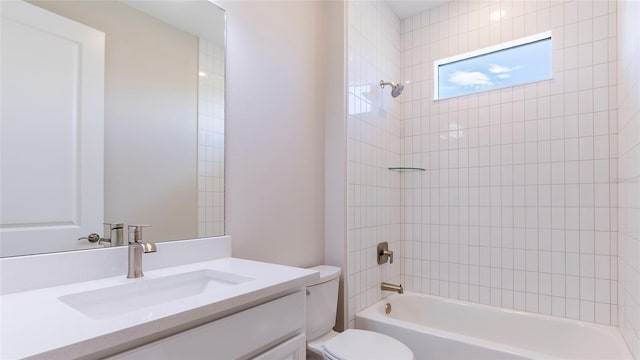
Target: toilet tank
{"type": "Point", "coordinates": [322, 301]}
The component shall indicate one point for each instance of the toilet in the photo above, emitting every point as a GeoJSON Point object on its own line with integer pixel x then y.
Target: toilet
{"type": "Point", "coordinates": [352, 344]}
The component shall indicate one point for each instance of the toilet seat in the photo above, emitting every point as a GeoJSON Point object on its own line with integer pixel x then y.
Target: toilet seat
{"type": "Point", "coordinates": [361, 344]}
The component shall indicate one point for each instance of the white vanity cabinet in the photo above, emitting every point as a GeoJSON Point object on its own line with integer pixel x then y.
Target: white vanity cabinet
{"type": "Point", "coordinates": [270, 331]}
{"type": "Point", "coordinates": [261, 317]}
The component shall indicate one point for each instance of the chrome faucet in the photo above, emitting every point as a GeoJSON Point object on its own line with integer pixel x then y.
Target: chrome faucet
{"type": "Point", "coordinates": [116, 237]}
{"type": "Point", "coordinates": [392, 287]}
{"type": "Point", "coordinates": [136, 248]}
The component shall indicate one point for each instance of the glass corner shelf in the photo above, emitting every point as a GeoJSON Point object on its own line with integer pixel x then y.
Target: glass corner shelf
{"type": "Point", "coordinates": [405, 169]}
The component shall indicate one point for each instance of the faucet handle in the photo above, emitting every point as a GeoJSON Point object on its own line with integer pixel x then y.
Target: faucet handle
{"type": "Point", "coordinates": [113, 233]}
{"type": "Point", "coordinates": [389, 253]}
{"type": "Point", "coordinates": [113, 226]}
{"type": "Point", "coordinates": [383, 253]}
{"type": "Point", "coordinates": [136, 230]}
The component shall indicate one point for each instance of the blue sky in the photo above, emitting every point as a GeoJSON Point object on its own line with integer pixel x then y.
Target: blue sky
{"type": "Point", "coordinates": [512, 66]}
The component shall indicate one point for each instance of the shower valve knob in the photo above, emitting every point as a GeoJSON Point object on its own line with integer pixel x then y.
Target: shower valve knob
{"type": "Point", "coordinates": [384, 254]}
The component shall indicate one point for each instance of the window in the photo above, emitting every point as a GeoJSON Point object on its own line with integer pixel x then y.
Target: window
{"type": "Point", "coordinates": [517, 62]}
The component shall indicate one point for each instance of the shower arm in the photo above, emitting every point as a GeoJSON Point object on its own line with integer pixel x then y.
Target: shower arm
{"type": "Point", "coordinates": [396, 88]}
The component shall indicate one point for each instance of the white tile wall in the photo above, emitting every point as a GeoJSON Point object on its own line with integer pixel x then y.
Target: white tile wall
{"type": "Point", "coordinates": [629, 172]}
{"type": "Point", "coordinates": [210, 139]}
{"type": "Point", "coordinates": [518, 206]}
{"type": "Point", "coordinates": [373, 146]}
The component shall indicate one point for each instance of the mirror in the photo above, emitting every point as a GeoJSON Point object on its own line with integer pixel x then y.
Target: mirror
{"type": "Point", "coordinates": [128, 133]}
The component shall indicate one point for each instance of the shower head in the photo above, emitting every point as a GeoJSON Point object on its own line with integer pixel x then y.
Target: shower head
{"type": "Point", "coordinates": [396, 89]}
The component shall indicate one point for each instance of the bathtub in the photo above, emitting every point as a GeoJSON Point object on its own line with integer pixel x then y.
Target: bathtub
{"type": "Point", "coordinates": [440, 328]}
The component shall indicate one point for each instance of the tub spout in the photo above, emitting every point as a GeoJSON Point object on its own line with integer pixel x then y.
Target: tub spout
{"type": "Point", "coordinates": [392, 287]}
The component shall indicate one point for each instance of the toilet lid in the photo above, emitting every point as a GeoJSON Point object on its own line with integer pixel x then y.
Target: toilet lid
{"type": "Point", "coordinates": [361, 344]}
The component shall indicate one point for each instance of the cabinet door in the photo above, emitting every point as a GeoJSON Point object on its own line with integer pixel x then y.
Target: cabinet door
{"type": "Point", "coordinates": [293, 349]}
{"type": "Point", "coordinates": [238, 336]}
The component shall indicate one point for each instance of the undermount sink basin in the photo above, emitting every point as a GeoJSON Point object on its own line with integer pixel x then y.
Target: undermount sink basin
{"type": "Point", "coordinates": [143, 293]}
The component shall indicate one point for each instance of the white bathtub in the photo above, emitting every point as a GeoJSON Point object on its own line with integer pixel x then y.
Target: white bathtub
{"type": "Point", "coordinates": [440, 328]}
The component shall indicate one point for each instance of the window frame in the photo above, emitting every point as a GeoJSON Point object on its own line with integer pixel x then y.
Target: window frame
{"type": "Point", "coordinates": [484, 51]}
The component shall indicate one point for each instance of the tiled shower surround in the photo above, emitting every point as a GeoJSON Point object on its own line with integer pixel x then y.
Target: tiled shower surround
{"type": "Point", "coordinates": [374, 145]}
{"type": "Point", "coordinates": [210, 139]}
{"type": "Point", "coordinates": [629, 172]}
{"type": "Point", "coordinates": [517, 207]}
{"type": "Point", "coordinates": [531, 197]}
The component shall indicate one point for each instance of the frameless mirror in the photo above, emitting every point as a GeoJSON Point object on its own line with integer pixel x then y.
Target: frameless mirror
{"type": "Point", "coordinates": [112, 112]}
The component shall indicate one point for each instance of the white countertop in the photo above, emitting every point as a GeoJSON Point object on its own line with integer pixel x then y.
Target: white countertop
{"type": "Point", "coordinates": [36, 323]}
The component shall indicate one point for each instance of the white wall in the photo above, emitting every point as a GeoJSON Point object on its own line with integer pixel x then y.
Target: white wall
{"type": "Point", "coordinates": [518, 205]}
{"type": "Point", "coordinates": [336, 148]}
{"type": "Point", "coordinates": [629, 172]}
{"type": "Point", "coordinates": [275, 131]}
{"type": "Point", "coordinates": [373, 117]}
{"type": "Point", "coordinates": [150, 136]}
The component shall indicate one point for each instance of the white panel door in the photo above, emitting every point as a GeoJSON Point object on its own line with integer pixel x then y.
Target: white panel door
{"type": "Point", "coordinates": [51, 133]}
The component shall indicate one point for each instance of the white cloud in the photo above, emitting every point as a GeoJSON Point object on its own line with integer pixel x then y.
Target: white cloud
{"type": "Point", "coordinates": [467, 78]}
{"type": "Point", "coordinates": [503, 76]}
{"type": "Point", "coordinates": [497, 69]}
